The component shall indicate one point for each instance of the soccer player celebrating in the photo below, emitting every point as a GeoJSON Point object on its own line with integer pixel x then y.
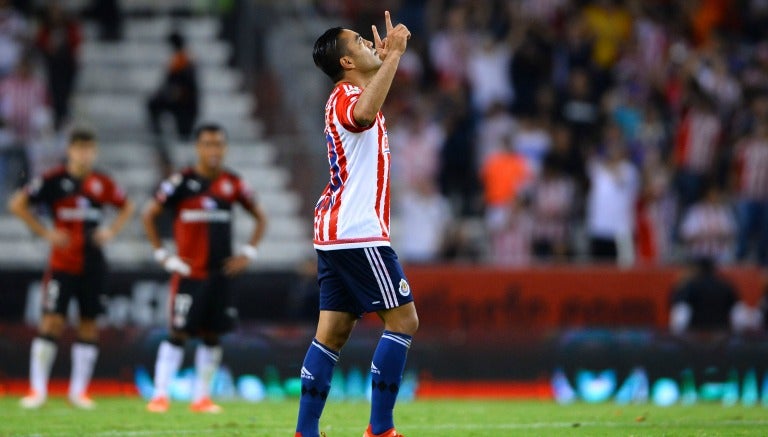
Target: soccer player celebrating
{"type": "Point", "coordinates": [201, 199]}
{"type": "Point", "coordinates": [74, 195]}
{"type": "Point", "coordinates": [358, 272]}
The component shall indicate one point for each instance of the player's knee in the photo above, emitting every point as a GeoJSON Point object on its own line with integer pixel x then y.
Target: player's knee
{"type": "Point", "coordinates": [87, 330]}
{"type": "Point", "coordinates": [336, 339]}
{"type": "Point", "coordinates": [211, 340]}
{"type": "Point", "coordinates": [52, 325]}
{"type": "Point", "coordinates": [177, 338]}
{"type": "Point", "coordinates": [404, 322]}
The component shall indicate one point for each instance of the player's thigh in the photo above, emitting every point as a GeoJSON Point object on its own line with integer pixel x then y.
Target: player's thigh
{"type": "Point", "coordinates": [375, 278]}
{"type": "Point", "coordinates": [57, 289]}
{"type": "Point", "coordinates": [334, 294]}
{"type": "Point", "coordinates": [187, 304]}
{"type": "Point", "coordinates": [220, 314]}
{"type": "Point", "coordinates": [91, 292]}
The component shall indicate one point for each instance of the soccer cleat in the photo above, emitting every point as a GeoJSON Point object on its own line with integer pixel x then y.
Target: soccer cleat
{"type": "Point", "coordinates": [389, 433]}
{"type": "Point", "coordinates": [82, 402]}
{"type": "Point", "coordinates": [158, 404]}
{"type": "Point", "coordinates": [32, 401]}
{"type": "Point", "coordinates": [205, 405]}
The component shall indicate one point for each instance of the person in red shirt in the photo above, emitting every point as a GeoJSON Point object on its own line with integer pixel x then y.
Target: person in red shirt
{"type": "Point", "coordinates": [202, 199]}
{"type": "Point", "coordinates": [75, 196]}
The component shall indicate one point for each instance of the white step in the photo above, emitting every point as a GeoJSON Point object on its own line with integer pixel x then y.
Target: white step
{"type": "Point", "coordinates": [145, 79]}
{"type": "Point", "coordinates": [158, 28]}
{"type": "Point", "coordinates": [149, 53]}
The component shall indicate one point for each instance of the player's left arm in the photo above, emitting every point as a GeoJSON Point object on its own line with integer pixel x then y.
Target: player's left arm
{"type": "Point", "coordinates": [248, 252]}
{"type": "Point", "coordinates": [105, 234]}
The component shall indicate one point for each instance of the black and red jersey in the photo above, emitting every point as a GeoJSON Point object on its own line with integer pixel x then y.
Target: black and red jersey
{"type": "Point", "coordinates": [76, 207]}
{"type": "Point", "coordinates": [202, 211]}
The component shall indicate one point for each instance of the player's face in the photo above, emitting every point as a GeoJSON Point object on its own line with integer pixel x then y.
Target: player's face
{"type": "Point", "coordinates": [81, 155]}
{"type": "Point", "coordinates": [362, 51]}
{"type": "Point", "coordinates": [211, 148]}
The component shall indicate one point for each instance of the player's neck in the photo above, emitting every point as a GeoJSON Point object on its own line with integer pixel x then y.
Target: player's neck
{"type": "Point", "coordinates": [77, 172]}
{"type": "Point", "coordinates": [357, 78]}
{"type": "Point", "coordinates": [207, 172]}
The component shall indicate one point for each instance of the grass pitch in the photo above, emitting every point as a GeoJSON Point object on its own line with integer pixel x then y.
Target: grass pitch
{"type": "Point", "coordinates": [126, 417]}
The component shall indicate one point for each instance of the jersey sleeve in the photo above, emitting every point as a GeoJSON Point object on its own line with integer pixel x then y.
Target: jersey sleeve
{"type": "Point", "coordinates": [39, 190]}
{"type": "Point", "coordinates": [245, 195]}
{"type": "Point", "coordinates": [116, 194]}
{"type": "Point", "coordinates": [345, 108]}
{"type": "Point", "coordinates": [167, 193]}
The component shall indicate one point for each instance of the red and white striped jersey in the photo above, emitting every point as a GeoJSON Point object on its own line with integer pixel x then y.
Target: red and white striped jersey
{"type": "Point", "coordinates": [20, 99]}
{"type": "Point", "coordinates": [697, 139]}
{"type": "Point", "coordinates": [752, 168]}
{"type": "Point", "coordinates": [353, 210]}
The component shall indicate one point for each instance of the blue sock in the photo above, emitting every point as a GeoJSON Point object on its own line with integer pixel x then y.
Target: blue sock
{"type": "Point", "coordinates": [387, 372]}
{"type": "Point", "coordinates": [316, 376]}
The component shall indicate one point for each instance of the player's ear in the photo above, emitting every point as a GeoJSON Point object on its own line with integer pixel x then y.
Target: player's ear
{"type": "Point", "coordinates": [347, 62]}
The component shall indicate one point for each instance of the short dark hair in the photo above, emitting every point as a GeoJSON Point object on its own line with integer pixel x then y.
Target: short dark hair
{"type": "Point", "coordinates": [327, 53]}
{"type": "Point", "coordinates": [80, 134]}
{"type": "Point", "coordinates": [208, 127]}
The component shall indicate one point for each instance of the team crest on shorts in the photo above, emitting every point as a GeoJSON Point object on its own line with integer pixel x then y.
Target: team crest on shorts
{"type": "Point", "coordinates": [405, 289]}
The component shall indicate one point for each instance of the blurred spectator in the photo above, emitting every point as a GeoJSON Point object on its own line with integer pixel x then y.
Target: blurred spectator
{"type": "Point", "coordinates": [504, 176]}
{"type": "Point", "coordinates": [696, 145]}
{"type": "Point", "coordinates": [751, 189]}
{"type": "Point", "coordinates": [578, 109]}
{"type": "Point", "coordinates": [553, 202]}
{"type": "Point", "coordinates": [610, 25]}
{"type": "Point", "coordinates": [708, 228]}
{"type": "Point", "coordinates": [24, 115]}
{"type": "Point", "coordinates": [109, 16]}
{"type": "Point", "coordinates": [59, 38]}
{"type": "Point", "coordinates": [715, 80]}
{"type": "Point", "coordinates": [178, 93]}
{"type": "Point", "coordinates": [488, 74]}
{"type": "Point", "coordinates": [416, 141]}
{"type": "Point", "coordinates": [424, 217]}
{"type": "Point", "coordinates": [568, 159]}
{"type": "Point", "coordinates": [531, 140]}
{"type": "Point", "coordinates": [705, 302]}
{"type": "Point", "coordinates": [457, 175]}
{"type": "Point", "coordinates": [614, 187]}
{"type": "Point", "coordinates": [497, 126]}
{"type": "Point", "coordinates": [450, 47]}
{"type": "Point", "coordinates": [23, 100]}
{"type": "Point", "coordinates": [13, 35]}
{"type": "Point", "coordinates": [530, 70]}
{"type": "Point", "coordinates": [511, 238]}
{"type": "Point", "coordinates": [656, 215]}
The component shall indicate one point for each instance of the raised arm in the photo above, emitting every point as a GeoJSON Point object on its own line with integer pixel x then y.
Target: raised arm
{"type": "Point", "coordinates": [390, 49]}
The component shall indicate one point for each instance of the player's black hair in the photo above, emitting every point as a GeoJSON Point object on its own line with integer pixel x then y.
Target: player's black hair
{"type": "Point", "coordinates": [328, 51]}
{"type": "Point", "coordinates": [176, 40]}
{"type": "Point", "coordinates": [81, 134]}
{"type": "Point", "coordinates": [208, 127]}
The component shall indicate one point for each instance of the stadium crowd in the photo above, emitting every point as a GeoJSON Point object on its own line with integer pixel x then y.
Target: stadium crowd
{"type": "Point", "coordinates": [611, 130]}
{"type": "Point", "coordinates": [38, 69]}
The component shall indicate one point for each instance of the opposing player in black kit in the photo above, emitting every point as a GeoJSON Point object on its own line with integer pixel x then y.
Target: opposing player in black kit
{"type": "Point", "coordinates": [201, 199]}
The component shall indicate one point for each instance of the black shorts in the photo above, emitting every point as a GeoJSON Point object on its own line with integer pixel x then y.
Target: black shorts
{"type": "Point", "coordinates": [202, 305]}
{"type": "Point", "coordinates": [87, 288]}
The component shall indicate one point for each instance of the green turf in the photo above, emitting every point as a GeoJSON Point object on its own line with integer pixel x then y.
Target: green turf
{"type": "Point", "coordinates": [126, 417]}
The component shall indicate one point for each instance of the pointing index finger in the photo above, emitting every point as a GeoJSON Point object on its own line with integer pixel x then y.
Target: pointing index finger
{"type": "Point", "coordinates": [376, 37]}
{"type": "Point", "coordinates": [388, 21]}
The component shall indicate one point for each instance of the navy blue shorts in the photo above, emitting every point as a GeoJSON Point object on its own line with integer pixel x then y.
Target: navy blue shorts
{"type": "Point", "coordinates": [361, 280]}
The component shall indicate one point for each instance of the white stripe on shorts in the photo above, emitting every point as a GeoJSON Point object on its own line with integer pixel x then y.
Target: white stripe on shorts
{"type": "Point", "coordinates": [382, 277]}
